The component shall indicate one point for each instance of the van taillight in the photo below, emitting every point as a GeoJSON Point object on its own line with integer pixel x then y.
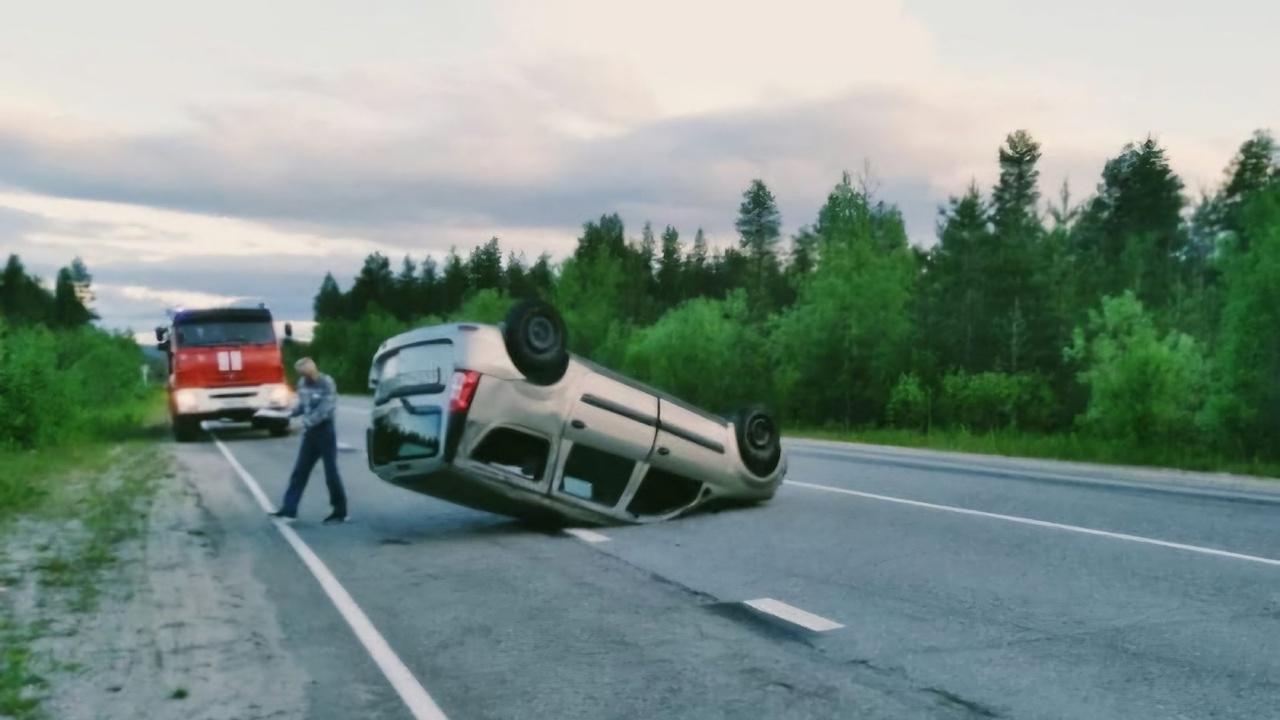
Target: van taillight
{"type": "Point", "coordinates": [462, 390]}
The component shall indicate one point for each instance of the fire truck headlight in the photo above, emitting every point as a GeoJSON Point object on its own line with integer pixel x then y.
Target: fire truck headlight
{"type": "Point", "coordinates": [185, 401]}
{"type": "Point", "coordinates": [278, 395]}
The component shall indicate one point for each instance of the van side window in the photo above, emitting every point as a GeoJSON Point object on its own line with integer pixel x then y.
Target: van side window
{"type": "Point", "coordinates": [515, 452]}
{"type": "Point", "coordinates": [662, 492]}
{"type": "Point", "coordinates": [595, 475]}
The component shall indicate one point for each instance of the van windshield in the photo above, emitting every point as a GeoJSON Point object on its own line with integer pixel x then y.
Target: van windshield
{"type": "Point", "coordinates": [196, 333]}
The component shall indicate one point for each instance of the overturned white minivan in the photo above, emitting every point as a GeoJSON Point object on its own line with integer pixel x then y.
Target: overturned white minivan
{"type": "Point", "coordinates": [504, 419]}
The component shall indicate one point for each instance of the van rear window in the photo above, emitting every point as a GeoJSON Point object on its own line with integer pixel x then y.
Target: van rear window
{"type": "Point", "coordinates": [402, 435]}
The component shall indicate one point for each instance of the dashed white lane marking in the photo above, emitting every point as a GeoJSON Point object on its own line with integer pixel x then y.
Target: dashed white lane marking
{"type": "Point", "coordinates": [415, 697]}
{"type": "Point", "coordinates": [793, 615]}
{"type": "Point", "coordinates": [586, 535]}
{"type": "Point", "coordinates": [1042, 523]}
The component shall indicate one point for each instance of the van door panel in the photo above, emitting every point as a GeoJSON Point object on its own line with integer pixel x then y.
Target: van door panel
{"type": "Point", "coordinates": [688, 443]}
{"type": "Point", "coordinates": [613, 417]}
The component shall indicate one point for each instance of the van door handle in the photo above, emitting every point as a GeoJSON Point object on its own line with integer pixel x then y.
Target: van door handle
{"type": "Point", "coordinates": [663, 451]}
{"type": "Point", "coordinates": [578, 424]}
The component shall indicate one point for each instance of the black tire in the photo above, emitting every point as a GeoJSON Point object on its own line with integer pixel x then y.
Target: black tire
{"type": "Point", "coordinates": [185, 429]}
{"type": "Point", "coordinates": [278, 431]}
{"type": "Point", "coordinates": [537, 341]}
{"type": "Point", "coordinates": [759, 440]}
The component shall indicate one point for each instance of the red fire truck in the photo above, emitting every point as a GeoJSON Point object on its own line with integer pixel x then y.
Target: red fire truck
{"type": "Point", "coordinates": [225, 364]}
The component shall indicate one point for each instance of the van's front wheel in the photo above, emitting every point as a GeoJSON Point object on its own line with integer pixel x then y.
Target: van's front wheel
{"type": "Point", "coordinates": [759, 441]}
{"type": "Point", "coordinates": [537, 341]}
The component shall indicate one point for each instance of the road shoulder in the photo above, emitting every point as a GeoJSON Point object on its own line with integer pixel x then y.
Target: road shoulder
{"type": "Point", "coordinates": [176, 627]}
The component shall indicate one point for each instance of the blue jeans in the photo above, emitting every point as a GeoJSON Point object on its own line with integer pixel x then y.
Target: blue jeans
{"type": "Point", "coordinates": [318, 443]}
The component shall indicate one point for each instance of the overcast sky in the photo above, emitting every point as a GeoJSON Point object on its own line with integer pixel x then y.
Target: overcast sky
{"type": "Point", "coordinates": [195, 152]}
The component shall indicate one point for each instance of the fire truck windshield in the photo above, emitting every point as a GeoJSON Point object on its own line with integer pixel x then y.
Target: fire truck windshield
{"type": "Point", "coordinates": [204, 332]}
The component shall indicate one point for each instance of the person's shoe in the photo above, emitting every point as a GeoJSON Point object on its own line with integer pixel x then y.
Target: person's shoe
{"type": "Point", "coordinates": [283, 515]}
{"type": "Point", "coordinates": [335, 518]}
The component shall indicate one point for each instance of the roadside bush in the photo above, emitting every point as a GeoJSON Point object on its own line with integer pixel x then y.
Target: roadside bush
{"type": "Point", "coordinates": [1143, 388]}
{"type": "Point", "coordinates": [486, 306]}
{"type": "Point", "coordinates": [56, 383]}
{"type": "Point", "coordinates": [703, 351]}
{"type": "Point", "coordinates": [909, 404]}
{"type": "Point", "coordinates": [993, 400]}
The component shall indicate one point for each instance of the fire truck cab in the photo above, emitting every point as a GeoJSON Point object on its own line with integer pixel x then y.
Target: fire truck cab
{"type": "Point", "coordinates": [224, 364]}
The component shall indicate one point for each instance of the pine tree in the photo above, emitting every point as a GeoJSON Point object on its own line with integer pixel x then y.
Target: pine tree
{"type": "Point", "coordinates": [454, 284]}
{"type": "Point", "coordinates": [1130, 235]}
{"type": "Point", "coordinates": [607, 236]}
{"type": "Point", "coordinates": [1016, 196]}
{"type": "Point", "coordinates": [517, 277]}
{"type": "Point", "coordinates": [670, 268]}
{"type": "Point", "coordinates": [696, 279]}
{"type": "Point", "coordinates": [374, 287]}
{"type": "Point", "coordinates": [330, 303]}
{"type": "Point", "coordinates": [542, 277]}
{"type": "Point", "coordinates": [429, 301]}
{"type": "Point", "coordinates": [484, 267]}
{"type": "Point", "coordinates": [961, 336]}
{"type": "Point", "coordinates": [758, 226]}
{"type": "Point", "coordinates": [1017, 301]}
{"type": "Point", "coordinates": [404, 303]}
{"type": "Point", "coordinates": [648, 246]}
{"type": "Point", "coordinates": [1219, 219]}
{"type": "Point", "coordinates": [68, 312]}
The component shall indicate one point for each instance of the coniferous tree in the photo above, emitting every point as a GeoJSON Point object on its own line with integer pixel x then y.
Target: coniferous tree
{"type": "Point", "coordinates": [330, 303]}
{"type": "Point", "coordinates": [428, 298]}
{"type": "Point", "coordinates": [670, 268]}
{"type": "Point", "coordinates": [485, 266]}
{"type": "Point", "coordinates": [404, 300]}
{"type": "Point", "coordinates": [648, 247]}
{"type": "Point", "coordinates": [374, 287]}
{"type": "Point", "coordinates": [1017, 302]}
{"type": "Point", "coordinates": [68, 312]}
{"type": "Point", "coordinates": [454, 284]}
{"type": "Point", "coordinates": [541, 276]}
{"type": "Point", "coordinates": [961, 334]}
{"type": "Point", "coordinates": [517, 277]}
{"type": "Point", "coordinates": [1219, 219]}
{"type": "Point", "coordinates": [1130, 234]}
{"type": "Point", "coordinates": [697, 280]}
{"type": "Point", "coordinates": [758, 227]}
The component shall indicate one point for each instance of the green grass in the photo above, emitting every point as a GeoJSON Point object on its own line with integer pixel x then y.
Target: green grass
{"type": "Point", "coordinates": [1059, 446]}
{"type": "Point", "coordinates": [95, 485]}
{"type": "Point", "coordinates": [30, 478]}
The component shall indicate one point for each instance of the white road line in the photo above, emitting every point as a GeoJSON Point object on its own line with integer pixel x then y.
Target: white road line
{"type": "Point", "coordinates": [585, 535]}
{"type": "Point", "coordinates": [1042, 523]}
{"type": "Point", "coordinates": [415, 697]}
{"type": "Point", "coordinates": [793, 615]}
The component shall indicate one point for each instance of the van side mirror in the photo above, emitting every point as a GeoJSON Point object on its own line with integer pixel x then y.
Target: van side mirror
{"type": "Point", "coordinates": [288, 331]}
{"type": "Point", "coordinates": [161, 331]}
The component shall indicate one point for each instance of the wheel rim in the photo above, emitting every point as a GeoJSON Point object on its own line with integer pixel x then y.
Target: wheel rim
{"type": "Point", "coordinates": [759, 432]}
{"type": "Point", "coordinates": [541, 334]}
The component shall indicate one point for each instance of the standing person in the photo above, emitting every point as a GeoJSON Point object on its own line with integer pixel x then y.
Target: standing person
{"type": "Point", "coordinates": [317, 401]}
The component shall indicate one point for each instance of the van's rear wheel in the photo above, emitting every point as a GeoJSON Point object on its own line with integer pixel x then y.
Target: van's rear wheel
{"type": "Point", "coordinates": [185, 429]}
{"type": "Point", "coordinates": [537, 341]}
{"type": "Point", "coordinates": [759, 441]}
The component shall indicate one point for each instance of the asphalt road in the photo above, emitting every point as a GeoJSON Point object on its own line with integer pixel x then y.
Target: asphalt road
{"type": "Point", "coordinates": [963, 587]}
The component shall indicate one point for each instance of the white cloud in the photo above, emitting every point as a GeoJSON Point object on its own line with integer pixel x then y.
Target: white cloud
{"type": "Point", "coordinates": [168, 296]}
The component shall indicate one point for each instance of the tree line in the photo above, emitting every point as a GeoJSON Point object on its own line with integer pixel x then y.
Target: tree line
{"type": "Point", "coordinates": [1139, 313]}
{"type": "Point", "coordinates": [61, 378]}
